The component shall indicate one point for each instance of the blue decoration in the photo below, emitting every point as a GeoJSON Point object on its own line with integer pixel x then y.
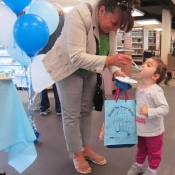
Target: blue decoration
{"type": "Point", "coordinates": [49, 14]}
{"type": "Point", "coordinates": [18, 55]}
{"type": "Point", "coordinates": [31, 33]}
{"type": "Point", "coordinates": [31, 99]}
{"type": "Point", "coordinates": [17, 6]}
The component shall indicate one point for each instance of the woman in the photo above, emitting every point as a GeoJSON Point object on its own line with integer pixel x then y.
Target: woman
{"type": "Point", "coordinates": [82, 33]}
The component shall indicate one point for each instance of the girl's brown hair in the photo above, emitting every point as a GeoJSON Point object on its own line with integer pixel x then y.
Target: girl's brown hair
{"type": "Point", "coordinates": [127, 19]}
{"type": "Point", "coordinates": [162, 71]}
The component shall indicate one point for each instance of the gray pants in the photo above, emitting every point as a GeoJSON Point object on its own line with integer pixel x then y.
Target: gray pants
{"type": "Point", "coordinates": [76, 95]}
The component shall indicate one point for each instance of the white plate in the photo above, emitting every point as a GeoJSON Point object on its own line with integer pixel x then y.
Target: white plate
{"type": "Point", "coordinates": [7, 78]}
{"type": "Point", "coordinates": [126, 79]}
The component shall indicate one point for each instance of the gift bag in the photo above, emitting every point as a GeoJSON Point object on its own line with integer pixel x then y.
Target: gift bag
{"type": "Point", "coordinates": [120, 122]}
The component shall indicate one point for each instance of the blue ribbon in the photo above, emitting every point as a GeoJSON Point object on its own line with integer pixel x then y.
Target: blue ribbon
{"type": "Point", "coordinates": [30, 92]}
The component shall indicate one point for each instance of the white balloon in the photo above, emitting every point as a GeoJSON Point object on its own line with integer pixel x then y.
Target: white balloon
{"type": "Point", "coordinates": [40, 77]}
{"type": "Point", "coordinates": [7, 20]}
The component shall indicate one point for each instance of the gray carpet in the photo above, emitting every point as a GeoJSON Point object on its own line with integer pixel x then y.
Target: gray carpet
{"type": "Point", "coordinates": [53, 157]}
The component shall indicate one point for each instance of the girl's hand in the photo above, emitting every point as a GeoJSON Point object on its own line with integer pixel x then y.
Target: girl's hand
{"type": "Point", "coordinates": [144, 110]}
{"type": "Point", "coordinates": [119, 73]}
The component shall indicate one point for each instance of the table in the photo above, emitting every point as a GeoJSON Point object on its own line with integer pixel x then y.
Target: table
{"type": "Point", "coordinates": [16, 136]}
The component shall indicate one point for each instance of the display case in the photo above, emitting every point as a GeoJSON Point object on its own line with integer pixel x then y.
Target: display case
{"type": "Point", "coordinates": [16, 70]}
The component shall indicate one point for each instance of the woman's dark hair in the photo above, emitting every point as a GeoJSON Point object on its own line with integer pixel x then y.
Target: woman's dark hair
{"type": "Point", "coordinates": [126, 7]}
{"type": "Point", "coordinates": [162, 71]}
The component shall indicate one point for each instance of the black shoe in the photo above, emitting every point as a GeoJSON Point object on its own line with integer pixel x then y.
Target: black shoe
{"type": "Point", "coordinates": [2, 172]}
{"type": "Point", "coordinates": [44, 113]}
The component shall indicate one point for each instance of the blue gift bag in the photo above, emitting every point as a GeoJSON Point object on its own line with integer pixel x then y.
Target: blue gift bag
{"type": "Point", "coordinates": [120, 123]}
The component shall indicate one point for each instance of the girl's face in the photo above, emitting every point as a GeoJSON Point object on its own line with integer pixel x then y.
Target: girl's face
{"type": "Point", "coordinates": [148, 69]}
{"type": "Point", "coordinates": [109, 21]}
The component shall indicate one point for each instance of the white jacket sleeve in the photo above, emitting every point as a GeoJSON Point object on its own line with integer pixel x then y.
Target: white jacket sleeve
{"type": "Point", "coordinates": [77, 27]}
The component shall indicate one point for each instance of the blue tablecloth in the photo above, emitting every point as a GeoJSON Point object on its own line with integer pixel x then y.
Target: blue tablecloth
{"type": "Point", "coordinates": [16, 133]}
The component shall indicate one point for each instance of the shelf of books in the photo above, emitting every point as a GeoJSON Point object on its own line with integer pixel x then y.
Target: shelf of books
{"type": "Point", "coordinates": [154, 41]}
{"type": "Point", "coordinates": [139, 43]}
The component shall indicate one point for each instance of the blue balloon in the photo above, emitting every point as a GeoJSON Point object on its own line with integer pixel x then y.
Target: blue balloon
{"type": "Point", "coordinates": [17, 6]}
{"type": "Point", "coordinates": [31, 33]}
{"type": "Point", "coordinates": [18, 55]}
{"type": "Point", "coordinates": [46, 11]}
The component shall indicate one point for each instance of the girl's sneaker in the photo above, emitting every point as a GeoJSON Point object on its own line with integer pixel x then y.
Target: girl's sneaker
{"type": "Point", "coordinates": [149, 172]}
{"type": "Point", "coordinates": [135, 170]}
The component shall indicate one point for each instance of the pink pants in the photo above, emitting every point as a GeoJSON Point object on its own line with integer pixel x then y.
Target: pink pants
{"type": "Point", "coordinates": [151, 146]}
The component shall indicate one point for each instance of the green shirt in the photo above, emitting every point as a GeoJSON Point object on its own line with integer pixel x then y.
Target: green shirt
{"type": "Point", "coordinates": [103, 50]}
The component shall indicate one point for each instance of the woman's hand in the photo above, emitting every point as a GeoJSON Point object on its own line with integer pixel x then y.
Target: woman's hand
{"type": "Point", "coordinates": [119, 60]}
{"type": "Point", "coordinates": [119, 73]}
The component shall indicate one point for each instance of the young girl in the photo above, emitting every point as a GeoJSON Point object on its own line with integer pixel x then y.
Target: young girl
{"type": "Point", "coordinates": [150, 109]}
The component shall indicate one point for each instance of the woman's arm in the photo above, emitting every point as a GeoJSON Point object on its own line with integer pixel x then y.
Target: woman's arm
{"type": "Point", "coordinates": [78, 24]}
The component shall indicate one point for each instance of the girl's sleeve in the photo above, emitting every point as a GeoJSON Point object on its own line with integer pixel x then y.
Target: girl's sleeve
{"type": "Point", "coordinates": [162, 106]}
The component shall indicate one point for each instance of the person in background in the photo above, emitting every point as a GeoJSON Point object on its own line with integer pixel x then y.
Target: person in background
{"type": "Point", "coordinates": [44, 100]}
{"type": "Point", "coordinates": [151, 107]}
{"type": "Point", "coordinates": [2, 172]}
{"type": "Point", "coordinates": [86, 46]}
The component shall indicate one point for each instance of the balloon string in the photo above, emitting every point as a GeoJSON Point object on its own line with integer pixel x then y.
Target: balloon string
{"type": "Point", "coordinates": [27, 81]}
{"type": "Point", "coordinates": [31, 100]}
{"type": "Point", "coordinates": [22, 57]}
{"type": "Point", "coordinates": [30, 91]}
{"type": "Point", "coordinates": [30, 8]}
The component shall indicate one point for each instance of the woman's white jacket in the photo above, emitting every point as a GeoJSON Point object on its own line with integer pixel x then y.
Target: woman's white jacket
{"type": "Point", "coordinates": [76, 46]}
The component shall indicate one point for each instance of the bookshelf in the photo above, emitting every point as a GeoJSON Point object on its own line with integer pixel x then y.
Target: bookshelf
{"type": "Point", "coordinates": [139, 43]}
{"type": "Point", "coordinates": [154, 41]}
{"type": "Point", "coordinates": [126, 39]}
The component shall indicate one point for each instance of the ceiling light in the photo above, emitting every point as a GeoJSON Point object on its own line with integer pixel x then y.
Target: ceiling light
{"type": "Point", "coordinates": [158, 29]}
{"type": "Point", "coordinates": [67, 9]}
{"type": "Point", "coordinates": [147, 21]}
{"type": "Point", "coordinates": [137, 13]}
